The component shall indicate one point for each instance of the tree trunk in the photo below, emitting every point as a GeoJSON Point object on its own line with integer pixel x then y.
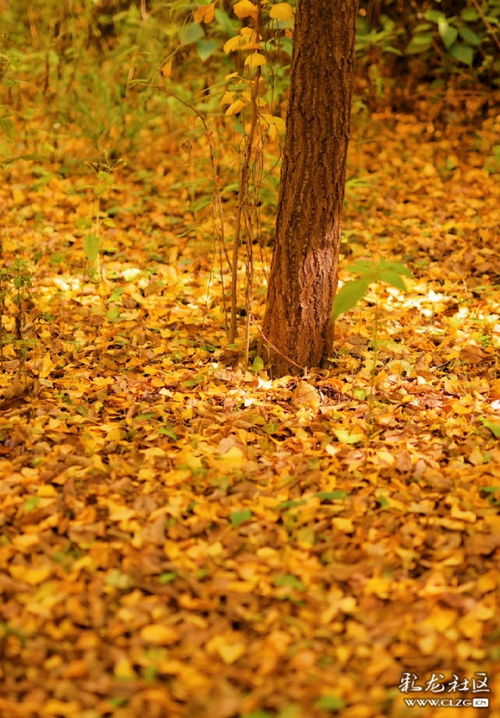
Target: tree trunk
{"type": "Point", "coordinates": [297, 326]}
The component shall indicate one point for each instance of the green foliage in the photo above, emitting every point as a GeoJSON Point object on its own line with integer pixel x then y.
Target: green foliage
{"type": "Point", "coordinates": [370, 272]}
{"type": "Point", "coordinates": [330, 703]}
{"type": "Point", "coordinates": [91, 247]}
{"type": "Point", "coordinates": [257, 364]}
{"type": "Point", "coordinates": [468, 36]}
{"type": "Point", "coordinates": [167, 577]}
{"type": "Point", "coordinates": [332, 495]}
{"type": "Point", "coordinates": [15, 289]}
{"type": "Point", "coordinates": [288, 579]}
{"type": "Point", "coordinates": [240, 517]}
{"type": "Point", "coordinates": [384, 36]}
{"type": "Point", "coordinates": [494, 428]}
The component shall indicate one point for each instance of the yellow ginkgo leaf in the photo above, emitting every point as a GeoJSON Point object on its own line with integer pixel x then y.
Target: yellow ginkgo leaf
{"type": "Point", "coordinates": [228, 649]}
{"type": "Point", "coordinates": [231, 653]}
{"type": "Point", "coordinates": [123, 669]}
{"type": "Point", "coordinates": [274, 121]}
{"type": "Point", "coordinates": [199, 14]}
{"type": "Point", "coordinates": [47, 366]}
{"type": "Point", "coordinates": [236, 107]}
{"type": "Point", "coordinates": [281, 11]}
{"type": "Point", "coordinates": [33, 576]}
{"type": "Point", "coordinates": [245, 8]}
{"type": "Point", "coordinates": [166, 70]}
{"type": "Point", "coordinates": [342, 524]}
{"type": "Point", "coordinates": [255, 59]}
{"type": "Point", "coordinates": [119, 512]}
{"type": "Point", "coordinates": [25, 542]}
{"type": "Point", "coordinates": [205, 13]}
{"type": "Point", "coordinates": [249, 39]}
{"type": "Point", "coordinates": [232, 44]}
{"type": "Point", "coordinates": [227, 98]}
{"type": "Point", "coordinates": [159, 634]}
{"type": "Point", "coordinates": [234, 458]}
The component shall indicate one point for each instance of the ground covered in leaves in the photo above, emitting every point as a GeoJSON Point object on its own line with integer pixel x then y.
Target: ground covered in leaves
{"type": "Point", "coordinates": [181, 535]}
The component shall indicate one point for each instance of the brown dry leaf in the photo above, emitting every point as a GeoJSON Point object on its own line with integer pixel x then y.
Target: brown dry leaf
{"type": "Point", "coordinates": [307, 396]}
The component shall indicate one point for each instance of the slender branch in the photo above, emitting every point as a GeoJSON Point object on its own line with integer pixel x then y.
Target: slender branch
{"type": "Point", "coordinates": [217, 211]}
{"type": "Point", "coordinates": [487, 23]}
{"type": "Point", "coordinates": [274, 348]}
{"type": "Point", "coordinates": [243, 190]}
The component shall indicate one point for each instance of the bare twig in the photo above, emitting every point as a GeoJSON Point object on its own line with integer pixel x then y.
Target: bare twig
{"type": "Point", "coordinates": [243, 190]}
{"type": "Point", "coordinates": [217, 211]}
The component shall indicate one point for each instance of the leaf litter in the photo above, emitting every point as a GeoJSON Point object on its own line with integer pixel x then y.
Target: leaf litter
{"type": "Point", "coordinates": [182, 536]}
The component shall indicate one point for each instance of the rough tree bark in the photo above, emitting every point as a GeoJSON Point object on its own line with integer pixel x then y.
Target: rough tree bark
{"type": "Point", "coordinates": [297, 327]}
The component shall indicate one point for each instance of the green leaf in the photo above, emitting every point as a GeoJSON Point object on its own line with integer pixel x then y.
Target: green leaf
{"type": "Point", "coordinates": [9, 160]}
{"type": "Point", "coordinates": [116, 294]}
{"type": "Point", "coordinates": [290, 504]}
{"type": "Point", "coordinates": [461, 52]}
{"type": "Point", "coordinates": [271, 428]}
{"type": "Point", "coordinates": [206, 48]}
{"type": "Point", "coordinates": [419, 43]}
{"type": "Point", "coordinates": [421, 27]}
{"type": "Point", "coordinates": [118, 702]}
{"type": "Point", "coordinates": [360, 394]}
{"type": "Point", "coordinates": [168, 430]}
{"type": "Point", "coordinates": [145, 415]}
{"type": "Point", "coordinates": [31, 504]}
{"type": "Point", "coordinates": [469, 14]}
{"type": "Point", "coordinates": [118, 579]}
{"type": "Point", "coordinates": [491, 494]}
{"type": "Point", "coordinates": [57, 258]}
{"type": "Point", "coordinates": [393, 278]}
{"type": "Point", "coordinates": [289, 711]}
{"type": "Point", "coordinates": [306, 535]}
{"type": "Point", "coordinates": [150, 673]}
{"type": "Point", "coordinates": [113, 314]}
{"type": "Point", "coordinates": [363, 266]}
{"type": "Point", "coordinates": [494, 428]}
{"type": "Point", "coordinates": [91, 247]}
{"type": "Point", "coordinates": [191, 33]}
{"type": "Point", "coordinates": [239, 517]}
{"type": "Point", "coordinates": [349, 296]}
{"type": "Point", "coordinates": [286, 45]}
{"type": "Point", "coordinates": [396, 267]}
{"type": "Point", "coordinates": [434, 15]}
{"type": "Point", "coordinates": [330, 703]}
{"type": "Point", "coordinates": [332, 495]}
{"type": "Point", "coordinates": [470, 36]}
{"type": "Point", "coordinates": [167, 577]}
{"type": "Point", "coordinates": [288, 579]}
{"type": "Point", "coordinates": [448, 33]}
{"type": "Point", "coordinates": [257, 364]}
{"type": "Point", "coordinates": [7, 127]}
{"type": "Point", "coordinates": [226, 23]}
{"type": "Point", "coordinates": [348, 437]}
{"type": "Point", "coordinates": [393, 50]}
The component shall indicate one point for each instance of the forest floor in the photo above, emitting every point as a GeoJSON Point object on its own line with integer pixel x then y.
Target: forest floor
{"type": "Point", "coordinates": [181, 535]}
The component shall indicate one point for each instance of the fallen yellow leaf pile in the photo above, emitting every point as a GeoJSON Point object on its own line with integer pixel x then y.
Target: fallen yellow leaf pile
{"type": "Point", "coordinates": [182, 536]}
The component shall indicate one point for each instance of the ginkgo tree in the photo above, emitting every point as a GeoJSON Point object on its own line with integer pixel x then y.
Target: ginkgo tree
{"type": "Point", "coordinates": [298, 330]}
